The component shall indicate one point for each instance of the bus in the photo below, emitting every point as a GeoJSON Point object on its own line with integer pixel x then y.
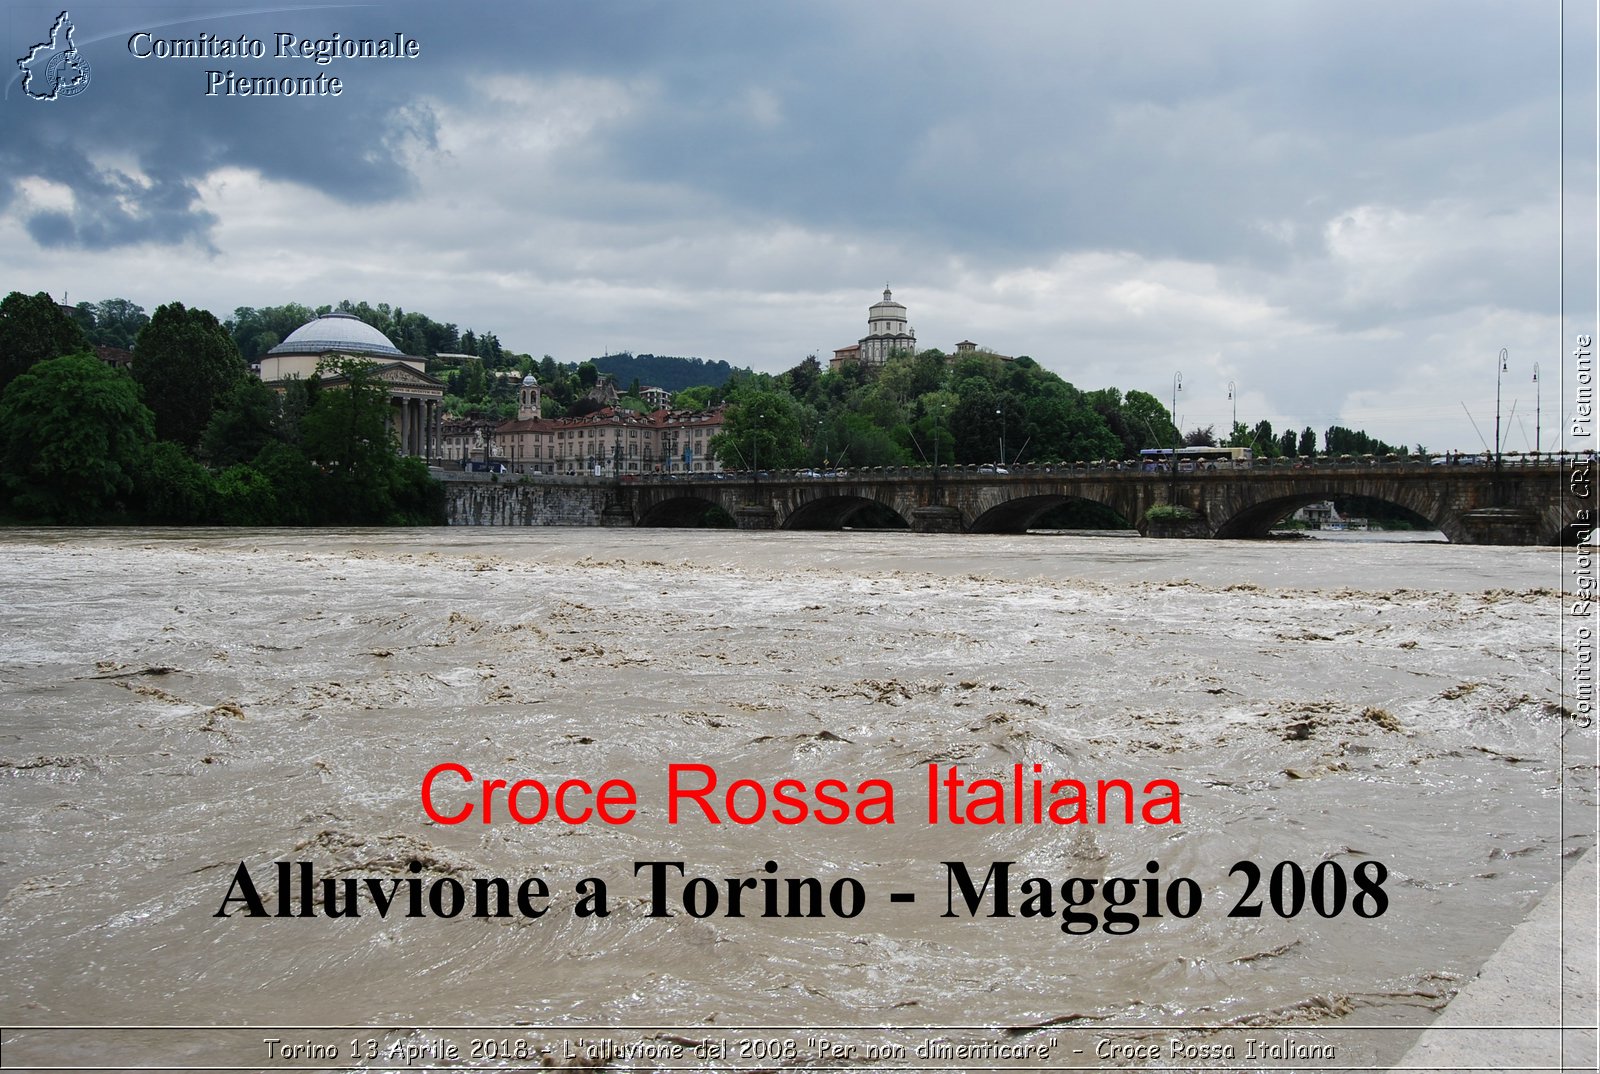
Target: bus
{"type": "Point", "coordinates": [1196, 458]}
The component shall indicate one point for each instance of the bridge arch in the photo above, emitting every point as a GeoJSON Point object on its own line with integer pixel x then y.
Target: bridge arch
{"type": "Point", "coordinates": [686, 511]}
{"type": "Point", "coordinates": [835, 511]}
{"type": "Point", "coordinates": [1018, 514]}
{"type": "Point", "coordinates": [1257, 518]}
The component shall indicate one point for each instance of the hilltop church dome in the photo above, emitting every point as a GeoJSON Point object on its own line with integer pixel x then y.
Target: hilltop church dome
{"type": "Point", "coordinates": [342, 332]}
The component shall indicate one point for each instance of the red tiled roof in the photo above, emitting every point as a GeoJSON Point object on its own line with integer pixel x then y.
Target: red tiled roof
{"type": "Point", "coordinates": [615, 417]}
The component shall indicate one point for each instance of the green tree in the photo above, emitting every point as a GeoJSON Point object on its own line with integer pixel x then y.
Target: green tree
{"type": "Point", "coordinates": [1056, 423]}
{"type": "Point", "coordinates": [186, 362]}
{"type": "Point", "coordinates": [1107, 402]}
{"type": "Point", "coordinates": [296, 484]}
{"type": "Point", "coordinates": [760, 429]}
{"type": "Point", "coordinates": [347, 428]}
{"type": "Point", "coordinates": [1308, 442]}
{"type": "Point", "coordinates": [1262, 439]}
{"type": "Point", "coordinates": [1148, 420]}
{"type": "Point", "coordinates": [73, 435]}
{"type": "Point", "coordinates": [415, 498]}
{"type": "Point", "coordinates": [246, 497]}
{"type": "Point", "coordinates": [849, 439]}
{"type": "Point", "coordinates": [700, 397]}
{"type": "Point", "coordinates": [931, 439]}
{"type": "Point", "coordinates": [346, 434]}
{"type": "Point", "coordinates": [33, 328]}
{"type": "Point", "coordinates": [975, 421]}
{"type": "Point", "coordinates": [118, 322]}
{"type": "Point", "coordinates": [173, 488]}
{"type": "Point", "coordinates": [803, 378]}
{"type": "Point", "coordinates": [256, 331]}
{"type": "Point", "coordinates": [905, 377]}
{"type": "Point", "coordinates": [1342, 441]}
{"type": "Point", "coordinates": [248, 418]}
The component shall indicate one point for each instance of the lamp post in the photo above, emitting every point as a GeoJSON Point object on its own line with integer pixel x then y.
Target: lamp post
{"type": "Point", "coordinates": [755, 448]}
{"type": "Point", "coordinates": [1536, 391]}
{"type": "Point", "coordinates": [1233, 397]}
{"type": "Point", "coordinates": [938, 425]}
{"type": "Point", "coordinates": [1001, 414]}
{"type": "Point", "coordinates": [1502, 368]}
{"type": "Point", "coordinates": [1172, 460]}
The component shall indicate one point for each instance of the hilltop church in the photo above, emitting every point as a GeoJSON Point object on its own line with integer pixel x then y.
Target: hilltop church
{"type": "Point", "coordinates": [887, 333]}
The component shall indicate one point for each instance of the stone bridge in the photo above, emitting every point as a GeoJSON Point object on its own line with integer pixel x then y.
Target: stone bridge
{"type": "Point", "coordinates": [1549, 500]}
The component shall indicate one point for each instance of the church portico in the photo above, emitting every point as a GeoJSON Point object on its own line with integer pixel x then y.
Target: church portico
{"type": "Point", "coordinates": [416, 422]}
{"type": "Point", "coordinates": [415, 398]}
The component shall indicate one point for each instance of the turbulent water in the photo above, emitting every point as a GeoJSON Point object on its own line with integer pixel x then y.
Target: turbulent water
{"type": "Point", "coordinates": [179, 702]}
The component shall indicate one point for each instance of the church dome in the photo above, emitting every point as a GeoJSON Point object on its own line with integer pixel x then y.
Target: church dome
{"type": "Point", "coordinates": [887, 306]}
{"type": "Point", "coordinates": [529, 381]}
{"type": "Point", "coordinates": [343, 332]}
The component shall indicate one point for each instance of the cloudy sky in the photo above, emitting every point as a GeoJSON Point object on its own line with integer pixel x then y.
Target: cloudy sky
{"type": "Point", "coordinates": [1345, 208]}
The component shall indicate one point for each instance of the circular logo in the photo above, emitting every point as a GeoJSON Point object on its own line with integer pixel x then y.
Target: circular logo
{"type": "Point", "coordinates": [67, 74]}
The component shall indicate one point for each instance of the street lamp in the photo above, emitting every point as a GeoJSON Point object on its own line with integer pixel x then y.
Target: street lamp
{"type": "Point", "coordinates": [755, 448]}
{"type": "Point", "coordinates": [1001, 414]}
{"type": "Point", "coordinates": [938, 425]}
{"type": "Point", "coordinates": [1233, 397]}
{"type": "Point", "coordinates": [1504, 357]}
{"type": "Point", "coordinates": [1177, 386]}
{"type": "Point", "coordinates": [1536, 391]}
{"type": "Point", "coordinates": [1172, 460]}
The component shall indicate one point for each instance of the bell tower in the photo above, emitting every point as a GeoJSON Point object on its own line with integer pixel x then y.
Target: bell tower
{"type": "Point", "coordinates": [528, 398]}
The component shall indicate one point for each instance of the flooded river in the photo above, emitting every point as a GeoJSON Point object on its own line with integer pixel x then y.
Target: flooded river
{"type": "Point", "coordinates": [181, 703]}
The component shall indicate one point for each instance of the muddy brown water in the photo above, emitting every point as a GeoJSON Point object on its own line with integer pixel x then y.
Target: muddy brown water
{"type": "Point", "coordinates": [179, 702]}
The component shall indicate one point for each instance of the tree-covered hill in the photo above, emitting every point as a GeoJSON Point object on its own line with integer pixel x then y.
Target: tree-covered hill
{"type": "Point", "coordinates": [662, 371]}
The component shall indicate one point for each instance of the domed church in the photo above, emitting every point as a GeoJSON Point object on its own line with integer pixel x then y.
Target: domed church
{"type": "Point", "coordinates": [415, 397]}
{"type": "Point", "coordinates": [887, 332]}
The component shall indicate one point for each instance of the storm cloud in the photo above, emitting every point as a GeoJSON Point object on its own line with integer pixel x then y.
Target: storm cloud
{"type": "Point", "coordinates": [1345, 209]}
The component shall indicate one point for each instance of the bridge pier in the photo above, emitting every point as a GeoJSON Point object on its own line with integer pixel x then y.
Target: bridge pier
{"type": "Point", "coordinates": [755, 516]}
{"type": "Point", "coordinates": [935, 518]}
{"type": "Point", "coordinates": [1499, 525]}
{"type": "Point", "coordinates": [1176, 528]}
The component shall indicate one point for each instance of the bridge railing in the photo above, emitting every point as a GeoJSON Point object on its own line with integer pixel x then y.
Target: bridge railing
{"type": "Point", "coordinates": [1469, 461]}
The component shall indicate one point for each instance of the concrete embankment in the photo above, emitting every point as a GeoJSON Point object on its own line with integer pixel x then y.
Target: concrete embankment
{"type": "Point", "coordinates": [1533, 1006]}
